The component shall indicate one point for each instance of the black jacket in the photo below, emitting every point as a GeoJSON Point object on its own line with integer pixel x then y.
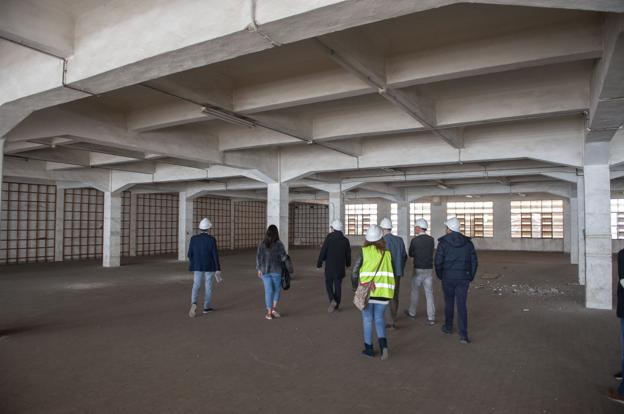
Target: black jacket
{"type": "Point", "coordinates": [421, 249]}
{"type": "Point", "coordinates": [456, 258]}
{"type": "Point", "coordinates": [203, 254]}
{"type": "Point", "coordinates": [620, 289]}
{"type": "Point", "coordinates": [336, 253]}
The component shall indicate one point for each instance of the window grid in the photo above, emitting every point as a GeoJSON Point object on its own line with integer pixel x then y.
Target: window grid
{"type": "Point", "coordinates": [83, 225]}
{"type": "Point", "coordinates": [394, 217]}
{"type": "Point", "coordinates": [157, 224]}
{"type": "Point", "coordinates": [125, 223]}
{"type": "Point", "coordinates": [250, 219]}
{"type": "Point", "coordinates": [617, 218]}
{"type": "Point", "coordinates": [28, 223]}
{"type": "Point", "coordinates": [219, 212]}
{"type": "Point", "coordinates": [417, 211]}
{"type": "Point", "coordinates": [537, 219]}
{"type": "Point", "coordinates": [307, 224]}
{"type": "Point", "coordinates": [476, 217]}
{"type": "Point", "coordinates": [359, 217]}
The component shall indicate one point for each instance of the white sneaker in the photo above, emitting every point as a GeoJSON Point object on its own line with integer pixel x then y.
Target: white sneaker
{"type": "Point", "coordinates": [193, 310]}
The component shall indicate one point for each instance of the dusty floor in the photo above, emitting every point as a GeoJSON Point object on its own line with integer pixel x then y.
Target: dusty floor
{"type": "Point", "coordinates": [77, 338]}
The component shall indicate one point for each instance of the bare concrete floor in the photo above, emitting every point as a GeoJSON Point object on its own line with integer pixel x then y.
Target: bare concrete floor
{"type": "Point", "coordinates": [77, 338]}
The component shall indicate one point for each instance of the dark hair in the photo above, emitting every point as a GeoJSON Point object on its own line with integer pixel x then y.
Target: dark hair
{"type": "Point", "coordinates": [271, 236]}
{"type": "Point", "coordinates": [379, 244]}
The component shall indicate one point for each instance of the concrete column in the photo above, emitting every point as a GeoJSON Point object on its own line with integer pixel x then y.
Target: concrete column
{"type": "Point", "coordinates": [580, 189]}
{"type": "Point", "coordinates": [403, 222]}
{"type": "Point", "coordinates": [438, 217]}
{"type": "Point", "coordinates": [566, 226]}
{"type": "Point", "coordinates": [112, 230]}
{"type": "Point", "coordinates": [384, 210]}
{"type": "Point", "coordinates": [573, 228]}
{"type": "Point", "coordinates": [336, 207]}
{"type": "Point", "coordinates": [2, 140]}
{"type": "Point", "coordinates": [277, 209]}
{"type": "Point", "coordinates": [598, 260]}
{"type": "Point", "coordinates": [59, 227]}
{"type": "Point", "coordinates": [502, 221]}
{"type": "Point", "coordinates": [185, 225]}
{"type": "Point", "coordinates": [133, 225]}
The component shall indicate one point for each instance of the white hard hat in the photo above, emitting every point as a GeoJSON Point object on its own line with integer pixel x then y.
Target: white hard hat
{"type": "Point", "coordinates": [205, 224]}
{"type": "Point", "coordinates": [337, 225]}
{"type": "Point", "coordinates": [453, 224]}
{"type": "Point", "coordinates": [422, 223]}
{"type": "Point", "coordinates": [373, 233]}
{"type": "Point", "coordinates": [386, 223]}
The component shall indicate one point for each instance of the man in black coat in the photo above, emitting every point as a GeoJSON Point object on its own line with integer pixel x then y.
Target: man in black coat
{"type": "Point", "coordinates": [617, 395]}
{"type": "Point", "coordinates": [456, 266]}
{"type": "Point", "coordinates": [204, 263]}
{"type": "Point", "coordinates": [336, 253]}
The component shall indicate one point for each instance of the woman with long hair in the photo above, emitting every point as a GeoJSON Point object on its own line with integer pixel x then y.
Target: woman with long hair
{"type": "Point", "coordinates": [270, 256]}
{"type": "Point", "coordinates": [375, 266]}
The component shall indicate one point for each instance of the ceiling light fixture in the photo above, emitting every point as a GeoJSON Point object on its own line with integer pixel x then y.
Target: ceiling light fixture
{"type": "Point", "coordinates": [226, 116]}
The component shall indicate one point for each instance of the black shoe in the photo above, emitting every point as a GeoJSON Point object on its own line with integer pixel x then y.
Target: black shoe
{"type": "Point", "coordinates": [383, 345]}
{"type": "Point", "coordinates": [445, 330]}
{"type": "Point", "coordinates": [206, 310]}
{"type": "Point", "coordinates": [464, 340]}
{"type": "Point", "coordinates": [369, 351]}
{"type": "Point", "coordinates": [618, 376]}
{"type": "Point", "coordinates": [409, 315]}
{"type": "Point", "coordinates": [392, 326]}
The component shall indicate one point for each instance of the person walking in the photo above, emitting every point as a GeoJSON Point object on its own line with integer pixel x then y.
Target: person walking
{"type": "Point", "coordinates": [421, 249]}
{"type": "Point", "coordinates": [375, 266]}
{"type": "Point", "coordinates": [204, 263]}
{"type": "Point", "coordinates": [396, 247]}
{"type": "Point", "coordinates": [270, 257]}
{"type": "Point", "coordinates": [456, 266]}
{"type": "Point", "coordinates": [336, 253]}
{"type": "Point", "coordinates": [617, 394]}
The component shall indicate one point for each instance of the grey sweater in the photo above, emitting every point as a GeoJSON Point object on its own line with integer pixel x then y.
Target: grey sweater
{"type": "Point", "coordinates": [269, 260]}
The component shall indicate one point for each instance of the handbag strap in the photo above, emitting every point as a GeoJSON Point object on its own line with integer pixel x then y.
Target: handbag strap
{"type": "Point", "coordinates": [378, 265]}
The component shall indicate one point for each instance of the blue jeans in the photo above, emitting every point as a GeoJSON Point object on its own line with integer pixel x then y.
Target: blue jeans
{"type": "Point", "coordinates": [197, 282]}
{"type": "Point", "coordinates": [456, 291]}
{"type": "Point", "coordinates": [272, 288]}
{"type": "Point", "coordinates": [374, 311]}
{"type": "Point", "coordinates": [621, 386]}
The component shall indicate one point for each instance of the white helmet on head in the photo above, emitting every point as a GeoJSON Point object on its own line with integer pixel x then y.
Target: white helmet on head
{"type": "Point", "coordinates": [422, 223]}
{"type": "Point", "coordinates": [337, 225]}
{"type": "Point", "coordinates": [453, 224]}
{"type": "Point", "coordinates": [373, 233]}
{"type": "Point", "coordinates": [205, 224]}
{"type": "Point", "coordinates": [386, 223]}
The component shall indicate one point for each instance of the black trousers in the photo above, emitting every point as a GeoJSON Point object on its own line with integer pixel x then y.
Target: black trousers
{"type": "Point", "coordinates": [333, 285]}
{"type": "Point", "coordinates": [456, 292]}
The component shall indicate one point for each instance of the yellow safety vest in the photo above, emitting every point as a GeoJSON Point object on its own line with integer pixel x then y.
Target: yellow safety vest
{"type": "Point", "coordinates": [384, 279]}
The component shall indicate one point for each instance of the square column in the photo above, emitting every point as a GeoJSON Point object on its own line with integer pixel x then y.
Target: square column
{"type": "Point", "coordinates": [598, 260]}
{"type": "Point", "coordinates": [566, 227]}
{"type": "Point", "coordinates": [336, 206]}
{"type": "Point", "coordinates": [277, 209]}
{"type": "Point", "coordinates": [133, 225]}
{"type": "Point", "coordinates": [59, 226]}
{"type": "Point", "coordinates": [112, 230]}
{"type": "Point", "coordinates": [574, 231]}
{"type": "Point", "coordinates": [438, 217]}
{"type": "Point", "coordinates": [580, 189]}
{"type": "Point", "coordinates": [502, 221]}
{"type": "Point", "coordinates": [403, 222]}
{"type": "Point", "coordinates": [185, 225]}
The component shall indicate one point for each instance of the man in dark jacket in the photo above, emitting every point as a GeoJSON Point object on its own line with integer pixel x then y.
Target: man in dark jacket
{"type": "Point", "coordinates": [456, 265]}
{"type": "Point", "coordinates": [204, 263]}
{"type": "Point", "coordinates": [396, 246]}
{"type": "Point", "coordinates": [617, 395]}
{"type": "Point", "coordinates": [336, 253]}
{"type": "Point", "coordinates": [421, 249]}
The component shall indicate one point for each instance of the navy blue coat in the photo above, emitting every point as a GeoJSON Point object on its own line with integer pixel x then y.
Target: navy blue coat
{"type": "Point", "coordinates": [456, 258]}
{"type": "Point", "coordinates": [203, 254]}
{"type": "Point", "coordinates": [620, 289]}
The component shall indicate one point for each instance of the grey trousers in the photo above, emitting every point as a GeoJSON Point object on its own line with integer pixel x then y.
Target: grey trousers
{"type": "Point", "coordinates": [424, 278]}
